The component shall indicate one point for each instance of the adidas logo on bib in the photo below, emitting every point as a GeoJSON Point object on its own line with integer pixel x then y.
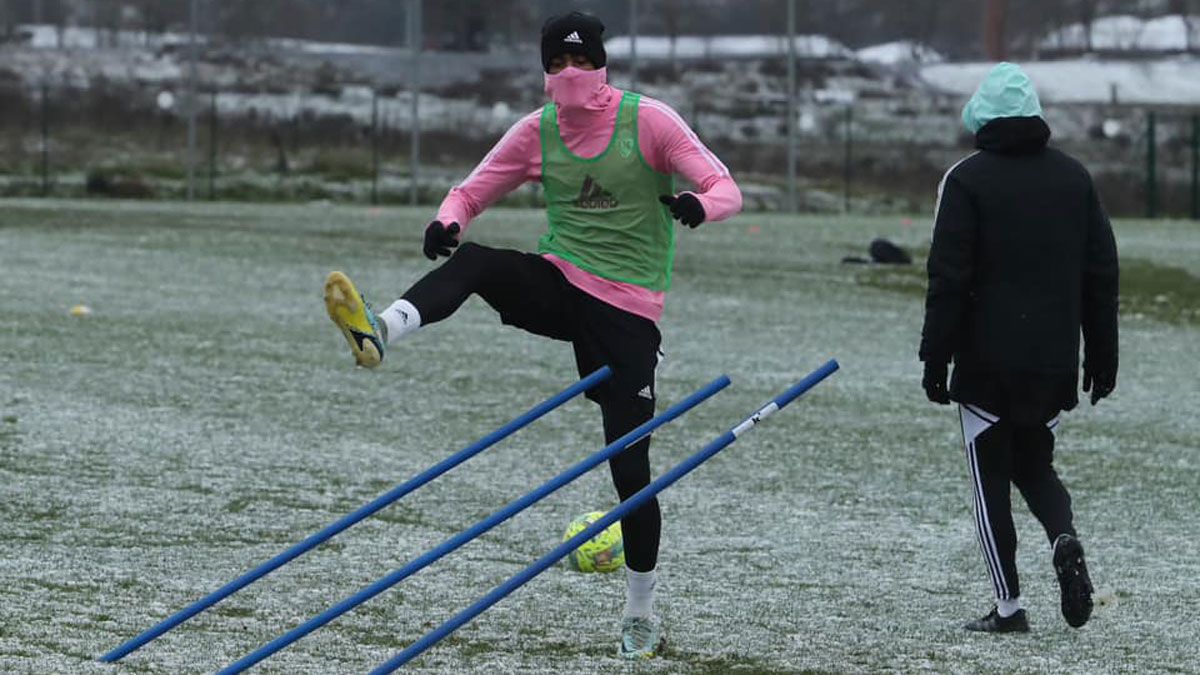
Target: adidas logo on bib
{"type": "Point", "coordinates": [574, 37]}
{"type": "Point", "coordinates": [593, 196]}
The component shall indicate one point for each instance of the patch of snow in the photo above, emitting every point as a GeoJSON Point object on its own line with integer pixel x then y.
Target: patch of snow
{"type": "Point", "coordinates": [726, 46]}
{"type": "Point", "coordinates": [1126, 33]}
{"type": "Point", "coordinates": [331, 48]}
{"type": "Point", "coordinates": [1170, 33]}
{"type": "Point", "coordinates": [1175, 81]}
{"type": "Point", "coordinates": [46, 36]}
{"type": "Point", "coordinates": [900, 51]}
{"type": "Point", "coordinates": [118, 65]}
{"type": "Point", "coordinates": [834, 96]}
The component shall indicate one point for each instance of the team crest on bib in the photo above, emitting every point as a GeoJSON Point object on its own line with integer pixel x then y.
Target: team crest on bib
{"type": "Point", "coordinates": [625, 145]}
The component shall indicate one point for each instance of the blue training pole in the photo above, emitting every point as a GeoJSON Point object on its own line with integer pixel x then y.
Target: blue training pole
{"type": "Point", "coordinates": [363, 512]}
{"type": "Point", "coordinates": [624, 508]}
{"type": "Point", "coordinates": [478, 529]}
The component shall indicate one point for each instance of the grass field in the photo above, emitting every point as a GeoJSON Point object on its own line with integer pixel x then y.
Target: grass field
{"type": "Point", "coordinates": [207, 415]}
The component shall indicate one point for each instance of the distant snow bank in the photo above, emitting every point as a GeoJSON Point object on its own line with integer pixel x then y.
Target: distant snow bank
{"type": "Point", "coordinates": [1124, 32]}
{"type": "Point", "coordinates": [1169, 82]}
{"type": "Point", "coordinates": [658, 47]}
{"type": "Point", "coordinates": [45, 36]}
{"type": "Point", "coordinates": [901, 51]}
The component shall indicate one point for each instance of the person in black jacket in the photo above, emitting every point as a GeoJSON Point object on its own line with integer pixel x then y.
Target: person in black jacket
{"type": "Point", "coordinates": [1023, 258]}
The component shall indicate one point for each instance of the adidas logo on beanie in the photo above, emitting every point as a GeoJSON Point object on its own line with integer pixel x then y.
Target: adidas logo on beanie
{"type": "Point", "coordinates": [574, 33]}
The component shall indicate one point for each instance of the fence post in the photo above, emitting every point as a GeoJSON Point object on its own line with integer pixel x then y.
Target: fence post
{"type": "Point", "coordinates": [212, 145]}
{"type": "Point", "coordinates": [374, 146]}
{"type": "Point", "coordinates": [846, 171]}
{"type": "Point", "coordinates": [45, 140]}
{"type": "Point", "coordinates": [192, 103]}
{"type": "Point", "coordinates": [415, 39]}
{"type": "Point", "coordinates": [1151, 166]}
{"type": "Point", "coordinates": [1196, 166]}
{"type": "Point", "coordinates": [633, 38]}
{"type": "Point", "coordinates": [791, 107]}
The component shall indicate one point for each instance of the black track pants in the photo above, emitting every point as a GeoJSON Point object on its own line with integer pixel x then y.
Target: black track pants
{"type": "Point", "coordinates": [999, 453]}
{"type": "Point", "coordinates": [530, 293]}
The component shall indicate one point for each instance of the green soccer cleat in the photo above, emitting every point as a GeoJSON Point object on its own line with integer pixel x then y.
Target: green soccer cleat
{"type": "Point", "coordinates": [642, 637]}
{"type": "Point", "coordinates": [355, 318]}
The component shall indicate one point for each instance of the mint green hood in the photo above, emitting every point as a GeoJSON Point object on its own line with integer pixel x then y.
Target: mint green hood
{"type": "Point", "coordinates": [1006, 92]}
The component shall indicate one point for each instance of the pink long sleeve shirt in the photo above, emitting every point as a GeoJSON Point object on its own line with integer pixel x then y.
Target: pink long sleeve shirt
{"type": "Point", "coordinates": [666, 142]}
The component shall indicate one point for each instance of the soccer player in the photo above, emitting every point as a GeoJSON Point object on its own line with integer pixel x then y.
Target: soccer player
{"type": "Point", "coordinates": [1023, 258]}
{"type": "Point", "coordinates": [605, 158]}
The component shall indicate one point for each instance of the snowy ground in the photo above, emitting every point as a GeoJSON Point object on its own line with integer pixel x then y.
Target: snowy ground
{"type": "Point", "coordinates": [206, 415]}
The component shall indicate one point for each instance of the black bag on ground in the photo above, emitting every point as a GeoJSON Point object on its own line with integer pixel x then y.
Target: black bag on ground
{"type": "Point", "coordinates": [885, 252]}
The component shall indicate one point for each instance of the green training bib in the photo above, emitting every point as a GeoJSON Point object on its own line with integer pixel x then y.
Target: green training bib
{"type": "Point", "coordinates": [604, 212]}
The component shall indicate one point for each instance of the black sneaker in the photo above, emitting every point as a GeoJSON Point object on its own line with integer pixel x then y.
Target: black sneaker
{"type": "Point", "coordinates": [1073, 580]}
{"type": "Point", "coordinates": [994, 623]}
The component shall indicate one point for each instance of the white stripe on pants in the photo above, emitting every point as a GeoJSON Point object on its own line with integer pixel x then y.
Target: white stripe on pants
{"type": "Point", "coordinates": [974, 422]}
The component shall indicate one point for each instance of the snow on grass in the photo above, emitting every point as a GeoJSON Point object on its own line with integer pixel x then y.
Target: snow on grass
{"type": "Point", "coordinates": [206, 415]}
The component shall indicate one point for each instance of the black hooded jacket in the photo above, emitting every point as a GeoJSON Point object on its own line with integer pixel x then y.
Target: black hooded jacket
{"type": "Point", "coordinates": [1023, 258]}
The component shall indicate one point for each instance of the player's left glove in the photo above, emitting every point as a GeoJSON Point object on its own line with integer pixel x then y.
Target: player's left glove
{"type": "Point", "coordinates": [685, 208]}
{"type": "Point", "coordinates": [935, 383]}
{"type": "Point", "coordinates": [1099, 381]}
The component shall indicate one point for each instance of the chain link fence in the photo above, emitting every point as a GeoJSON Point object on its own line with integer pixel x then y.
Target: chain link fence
{"type": "Point", "coordinates": [340, 142]}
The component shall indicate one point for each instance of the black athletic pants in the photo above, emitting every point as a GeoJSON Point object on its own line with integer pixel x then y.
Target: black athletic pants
{"type": "Point", "coordinates": [530, 293]}
{"type": "Point", "coordinates": [1000, 452]}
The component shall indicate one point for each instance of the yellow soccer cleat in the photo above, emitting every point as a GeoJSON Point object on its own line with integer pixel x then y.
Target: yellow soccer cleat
{"type": "Point", "coordinates": [357, 321]}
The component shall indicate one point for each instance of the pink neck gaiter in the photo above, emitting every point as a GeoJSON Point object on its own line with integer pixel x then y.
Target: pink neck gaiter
{"type": "Point", "coordinates": [574, 90]}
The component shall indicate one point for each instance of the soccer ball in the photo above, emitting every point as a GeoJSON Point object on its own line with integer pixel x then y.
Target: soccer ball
{"type": "Point", "coordinates": [603, 553]}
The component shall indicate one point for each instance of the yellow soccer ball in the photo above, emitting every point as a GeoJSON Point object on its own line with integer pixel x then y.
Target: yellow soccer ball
{"type": "Point", "coordinates": [603, 553]}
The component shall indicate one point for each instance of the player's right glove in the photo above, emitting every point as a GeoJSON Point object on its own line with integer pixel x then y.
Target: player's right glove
{"type": "Point", "coordinates": [935, 383]}
{"type": "Point", "coordinates": [439, 239]}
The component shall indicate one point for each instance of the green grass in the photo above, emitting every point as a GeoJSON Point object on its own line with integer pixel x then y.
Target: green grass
{"type": "Point", "coordinates": [206, 415]}
{"type": "Point", "coordinates": [1148, 289]}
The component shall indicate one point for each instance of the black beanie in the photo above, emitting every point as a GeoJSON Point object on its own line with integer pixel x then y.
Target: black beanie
{"type": "Point", "coordinates": [574, 33]}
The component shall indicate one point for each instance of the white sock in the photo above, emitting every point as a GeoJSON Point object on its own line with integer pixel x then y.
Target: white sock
{"type": "Point", "coordinates": [401, 318]}
{"type": "Point", "coordinates": [639, 593]}
{"type": "Point", "coordinates": [1006, 608]}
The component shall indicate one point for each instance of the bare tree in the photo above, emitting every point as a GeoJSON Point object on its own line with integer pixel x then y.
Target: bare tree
{"type": "Point", "coordinates": [106, 20]}
{"type": "Point", "coordinates": [994, 37]}
{"type": "Point", "coordinates": [58, 13]}
{"type": "Point", "coordinates": [248, 21]}
{"type": "Point", "coordinates": [678, 17]}
{"type": "Point", "coordinates": [1087, 18]}
{"type": "Point", "coordinates": [8, 20]}
{"type": "Point", "coordinates": [1181, 7]}
{"type": "Point", "coordinates": [157, 16]}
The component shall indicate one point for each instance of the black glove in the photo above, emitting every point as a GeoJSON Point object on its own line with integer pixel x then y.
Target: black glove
{"type": "Point", "coordinates": [685, 208]}
{"type": "Point", "coordinates": [1099, 381]}
{"type": "Point", "coordinates": [439, 239]}
{"type": "Point", "coordinates": [935, 383]}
